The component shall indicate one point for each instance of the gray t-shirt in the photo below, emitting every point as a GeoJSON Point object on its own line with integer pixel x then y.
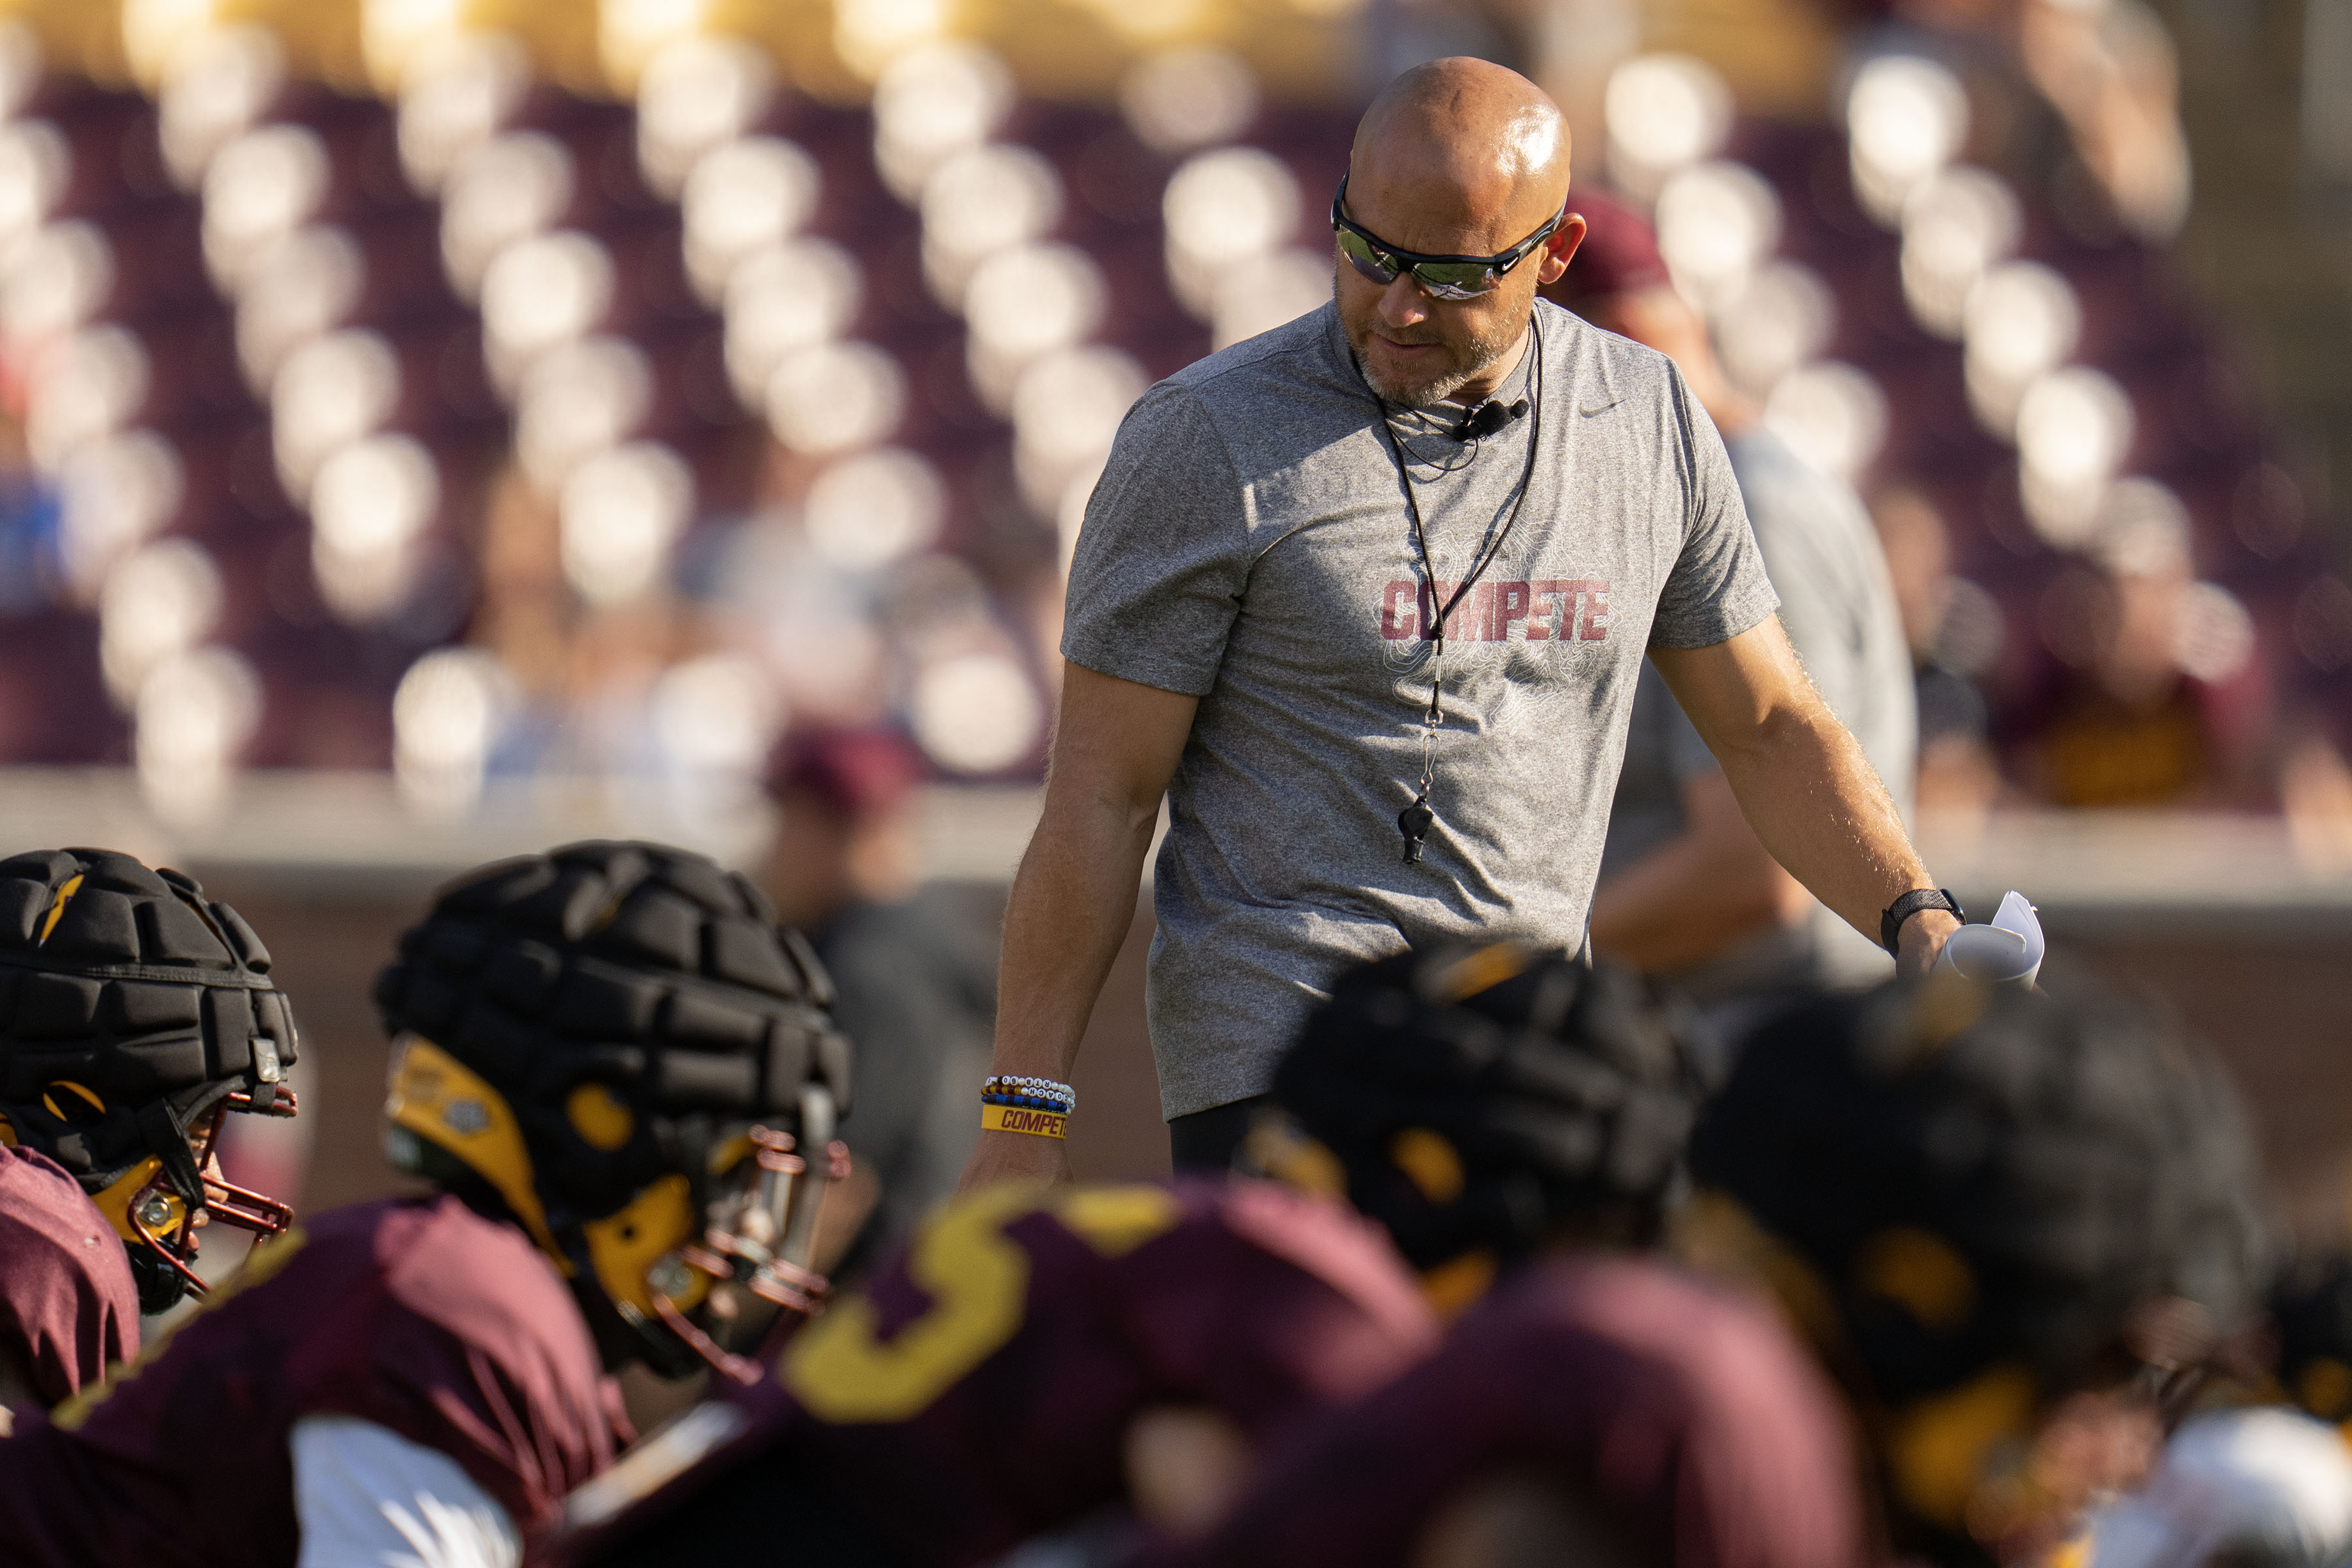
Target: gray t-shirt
{"type": "Point", "coordinates": [1249, 544]}
{"type": "Point", "coordinates": [1838, 607]}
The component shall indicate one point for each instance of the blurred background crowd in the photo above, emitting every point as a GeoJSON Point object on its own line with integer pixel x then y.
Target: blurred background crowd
{"type": "Point", "coordinates": [486, 389]}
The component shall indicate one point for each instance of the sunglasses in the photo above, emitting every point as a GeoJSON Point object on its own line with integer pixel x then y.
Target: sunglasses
{"type": "Point", "coordinates": [1441, 276]}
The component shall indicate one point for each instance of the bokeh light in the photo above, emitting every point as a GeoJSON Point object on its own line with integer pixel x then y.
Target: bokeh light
{"type": "Point", "coordinates": [327, 393]}
{"type": "Point", "coordinates": [163, 601]}
{"type": "Point", "coordinates": [454, 97]}
{"type": "Point", "coordinates": [2022, 319]}
{"type": "Point", "coordinates": [1956, 226]}
{"type": "Point", "coordinates": [1833, 415]}
{"type": "Point", "coordinates": [797, 295]}
{"type": "Point", "coordinates": [750, 194]}
{"type": "Point", "coordinates": [113, 495]}
{"type": "Point", "coordinates": [369, 506]}
{"type": "Point", "coordinates": [697, 94]}
{"type": "Point", "coordinates": [259, 188]}
{"type": "Point", "coordinates": [2073, 428]}
{"type": "Point", "coordinates": [835, 397]}
{"type": "Point", "coordinates": [979, 203]}
{"type": "Point", "coordinates": [445, 717]}
{"type": "Point", "coordinates": [976, 713]}
{"type": "Point", "coordinates": [213, 92]}
{"type": "Point", "coordinates": [1222, 208]}
{"type": "Point", "coordinates": [622, 511]}
{"type": "Point", "coordinates": [931, 104]}
{"type": "Point", "coordinates": [194, 714]}
{"type": "Point", "coordinates": [500, 191]}
{"type": "Point", "coordinates": [92, 386]}
{"type": "Point", "coordinates": [578, 401]}
{"type": "Point", "coordinates": [1025, 302]}
{"type": "Point", "coordinates": [1906, 117]}
{"type": "Point", "coordinates": [1189, 97]}
{"type": "Point", "coordinates": [1718, 221]}
{"type": "Point", "coordinates": [1664, 112]}
{"type": "Point", "coordinates": [866, 511]}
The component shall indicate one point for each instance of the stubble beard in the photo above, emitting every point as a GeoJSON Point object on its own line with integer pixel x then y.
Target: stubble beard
{"type": "Point", "coordinates": [1472, 356]}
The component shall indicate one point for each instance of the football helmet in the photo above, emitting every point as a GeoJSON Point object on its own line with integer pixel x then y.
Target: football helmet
{"type": "Point", "coordinates": [1480, 1102]}
{"type": "Point", "coordinates": [614, 1046]}
{"type": "Point", "coordinates": [136, 1014]}
{"type": "Point", "coordinates": [1978, 1204]}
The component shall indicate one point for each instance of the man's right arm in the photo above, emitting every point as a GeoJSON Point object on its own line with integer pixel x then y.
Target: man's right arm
{"type": "Point", "coordinates": [1115, 747]}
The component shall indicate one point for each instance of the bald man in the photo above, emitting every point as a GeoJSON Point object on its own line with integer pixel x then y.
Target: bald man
{"type": "Point", "coordinates": [1366, 599]}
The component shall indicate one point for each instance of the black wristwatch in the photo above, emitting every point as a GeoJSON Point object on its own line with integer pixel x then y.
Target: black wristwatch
{"type": "Point", "coordinates": [1890, 924]}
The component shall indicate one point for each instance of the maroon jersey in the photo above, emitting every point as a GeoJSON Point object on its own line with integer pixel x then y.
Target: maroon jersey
{"type": "Point", "coordinates": [449, 1329]}
{"type": "Point", "coordinates": [68, 1307]}
{"type": "Point", "coordinates": [977, 1391]}
{"type": "Point", "coordinates": [1687, 1413]}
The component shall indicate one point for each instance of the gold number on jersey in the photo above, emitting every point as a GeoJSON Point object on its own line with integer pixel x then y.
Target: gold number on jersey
{"type": "Point", "coordinates": [978, 1279]}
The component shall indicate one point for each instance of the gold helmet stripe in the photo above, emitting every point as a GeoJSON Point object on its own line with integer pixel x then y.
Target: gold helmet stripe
{"type": "Point", "coordinates": [57, 907]}
{"type": "Point", "coordinates": [440, 1100]}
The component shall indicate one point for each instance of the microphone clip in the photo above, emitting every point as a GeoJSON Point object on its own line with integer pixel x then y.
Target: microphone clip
{"type": "Point", "coordinates": [1487, 418]}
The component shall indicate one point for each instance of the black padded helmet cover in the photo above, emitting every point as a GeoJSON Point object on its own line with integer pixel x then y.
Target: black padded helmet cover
{"type": "Point", "coordinates": [642, 968]}
{"type": "Point", "coordinates": [2073, 1153]}
{"type": "Point", "coordinates": [132, 984]}
{"type": "Point", "coordinates": [1563, 1091]}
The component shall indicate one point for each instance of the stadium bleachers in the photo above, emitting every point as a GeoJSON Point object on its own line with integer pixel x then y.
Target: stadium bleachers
{"type": "Point", "coordinates": [485, 427]}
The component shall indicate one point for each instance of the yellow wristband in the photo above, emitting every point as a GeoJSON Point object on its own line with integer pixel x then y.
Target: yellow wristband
{"type": "Point", "coordinates": [1020, 1119]}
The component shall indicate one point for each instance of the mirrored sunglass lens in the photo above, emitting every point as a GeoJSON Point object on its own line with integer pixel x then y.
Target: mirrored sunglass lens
{"type": "Point", "coordinates": [1364, 258]}
{"type": "Point", "coordinates": [1454, 280]}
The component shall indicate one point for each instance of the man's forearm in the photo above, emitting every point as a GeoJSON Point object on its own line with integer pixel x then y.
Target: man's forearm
{"type": "Point", "coordinates": [1819, 807]}
{"type": "Point", "coordinates": [1072, 902]}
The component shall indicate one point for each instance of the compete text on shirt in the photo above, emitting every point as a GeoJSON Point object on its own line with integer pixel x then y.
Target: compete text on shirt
{"type": "Point", "coordinates": [1551, 609]}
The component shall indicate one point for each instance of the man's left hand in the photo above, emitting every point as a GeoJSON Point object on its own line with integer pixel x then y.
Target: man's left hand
{"type": "Point", "coordinates": [1921, 939]}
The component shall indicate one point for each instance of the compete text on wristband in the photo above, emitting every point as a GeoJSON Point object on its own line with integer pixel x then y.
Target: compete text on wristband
{"type": "Point", "coordinates": [1018, 1118]}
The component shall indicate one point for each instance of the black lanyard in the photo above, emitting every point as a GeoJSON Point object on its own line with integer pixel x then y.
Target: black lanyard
{"type": "Point", "coordinates": [1415, 820]}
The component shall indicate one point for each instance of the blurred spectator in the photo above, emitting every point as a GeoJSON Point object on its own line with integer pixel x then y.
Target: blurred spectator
{"type": "Point", "coordinates": [29, 526]}
{"type": "Point", "coordinates": [1685, 888]}
{"type": "Point", "coordinates": [1954, 630]}
{"type": "Point", "coordinates": [917, 986]}
{"type": "Point", "coordinates": [2155, 699]}
{"type": "Point", "coordinates": [2077, 97]}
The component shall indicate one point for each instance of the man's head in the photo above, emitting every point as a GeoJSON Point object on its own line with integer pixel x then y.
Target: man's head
{"type": "Point", "coordinates": [615, 1046]}
{"type": "Point", "coordinates": [134, 1014]}
{"type": "Point", "coordinates": [1484, 1102]}
{"type": "Point", "coordinates": [1456, 158]}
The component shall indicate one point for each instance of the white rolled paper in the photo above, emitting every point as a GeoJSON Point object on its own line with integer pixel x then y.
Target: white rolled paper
{"type": "Point", "coordinates": [2006, 952]}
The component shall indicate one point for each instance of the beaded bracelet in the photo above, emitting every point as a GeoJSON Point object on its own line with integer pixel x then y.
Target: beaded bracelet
{"type": "Point", "coordinates": [1029, 1102]}
{"type": "Point", "coordinates": [1027, 1088]}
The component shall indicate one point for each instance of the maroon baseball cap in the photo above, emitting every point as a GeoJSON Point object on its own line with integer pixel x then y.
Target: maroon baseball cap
{"type": "Point", "coordinates": [857, 773]}
{"type": "Point", "coordinates": [69, 1308]}
{"type": "Point", "coordinates": [1619, 255]}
